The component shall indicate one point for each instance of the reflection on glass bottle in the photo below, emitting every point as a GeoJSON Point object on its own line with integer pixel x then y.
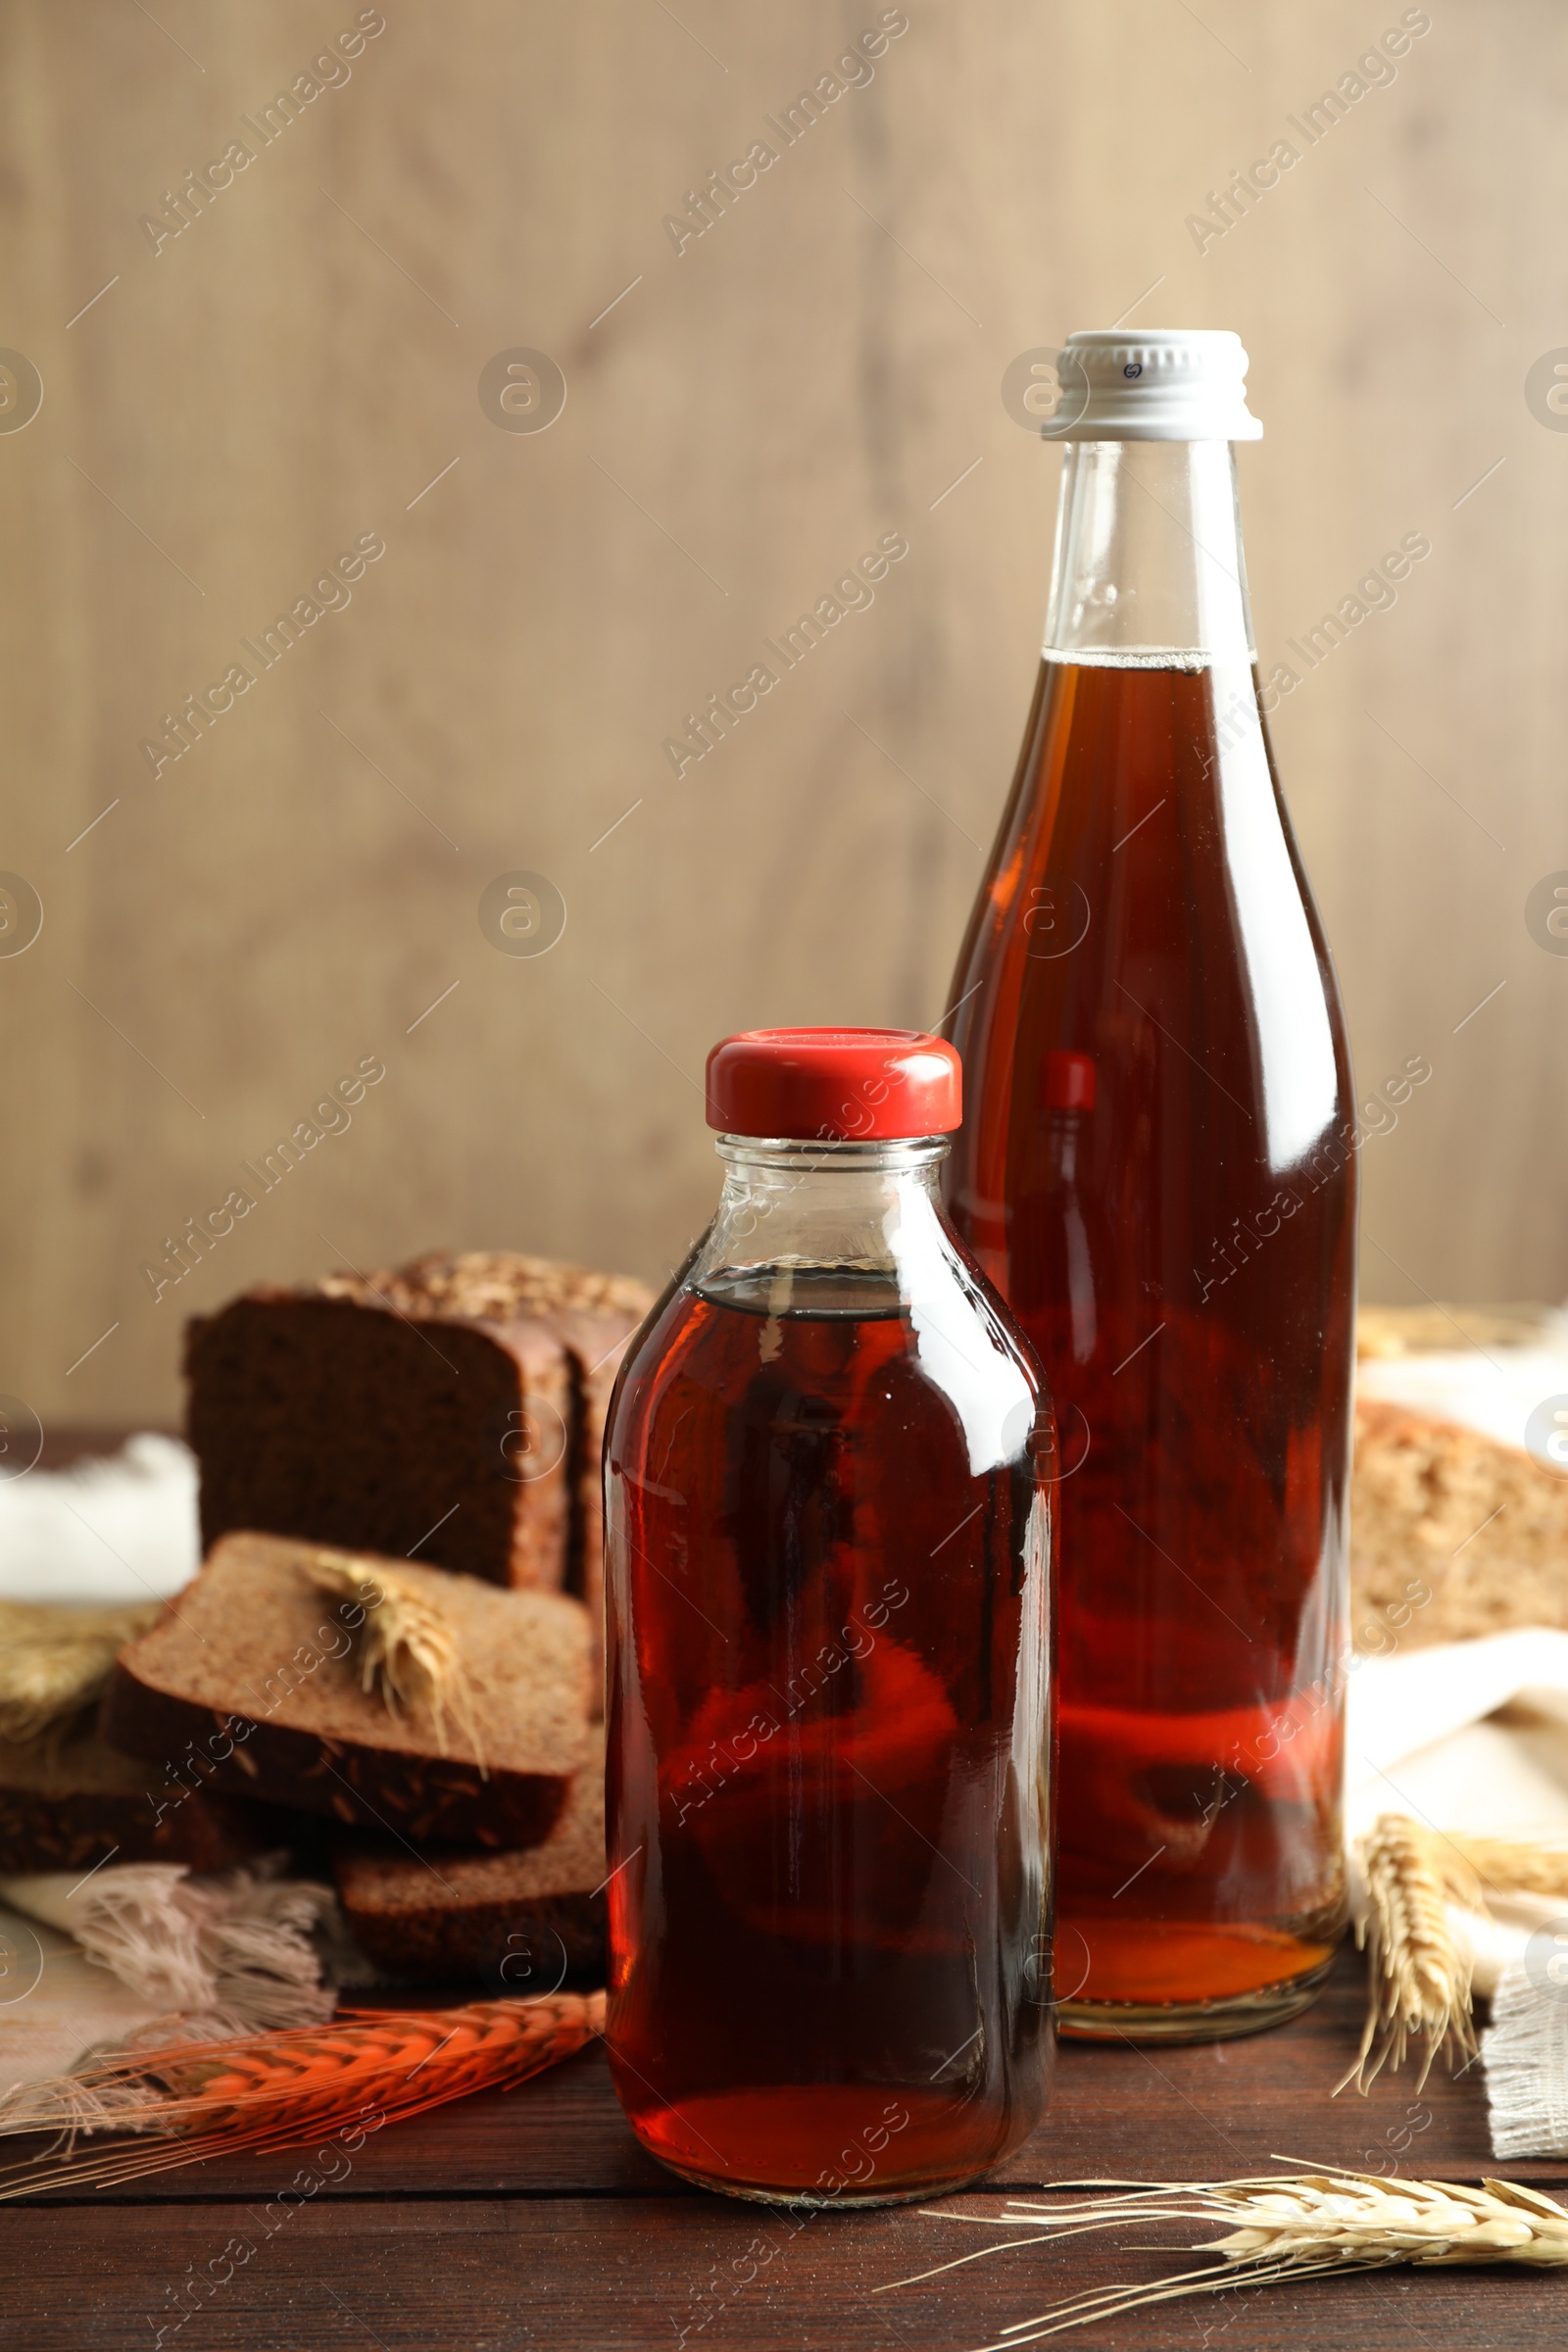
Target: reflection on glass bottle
{"type": "Point", "coordinates": [1069, 1275]}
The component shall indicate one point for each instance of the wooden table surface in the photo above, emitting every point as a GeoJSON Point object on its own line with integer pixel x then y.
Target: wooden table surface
{"type": "Point", "coordinates": [533, 2217]}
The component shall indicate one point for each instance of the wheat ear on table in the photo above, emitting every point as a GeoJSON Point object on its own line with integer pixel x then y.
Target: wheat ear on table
{"type": "Point", "coordinates": [1280, 2229]}
{"type": "Point", "coordinates": [273, 2091]}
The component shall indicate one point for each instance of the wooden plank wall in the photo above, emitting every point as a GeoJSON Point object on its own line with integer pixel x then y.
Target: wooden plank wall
{"type": "Point", "coordinates": [299, 367]}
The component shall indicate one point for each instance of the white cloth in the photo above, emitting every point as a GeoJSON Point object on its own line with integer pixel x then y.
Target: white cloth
{"type": "Point", "coordinates": [1496, 1391]}
{"type": "Point", "coordinates": [102, 1532]}
{"type": "Point", "coordinates": [231, 1952]}
{"type": "Point", "coordinates": [1415, 1729]}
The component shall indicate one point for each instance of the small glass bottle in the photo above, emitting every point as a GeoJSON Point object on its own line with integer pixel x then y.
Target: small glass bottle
{"type": "Point", "coordinates": [828, 1479]}
{"type": "Point", "coordinates": [1189, 1285]}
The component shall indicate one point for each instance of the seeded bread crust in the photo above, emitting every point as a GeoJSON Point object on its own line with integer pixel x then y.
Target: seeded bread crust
{"type": "Point", "coordinates": [251, 1684]}
{"type": "Point", "coordinates": [499, 1286]}
{"type": "Point", "coordinates": [75, 1803]}
{"type": "Point", "coordinates": [517, 1920]}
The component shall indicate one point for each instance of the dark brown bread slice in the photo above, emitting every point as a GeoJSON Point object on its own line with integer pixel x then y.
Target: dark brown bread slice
{"type": "Point", "coordinates": [515, 1919]}
{"type": "Point", "coordinates": [349, 1421]}
{"type": "Point", "coordinates": [72, 1803]}
{"type": "Point", "coordinates": [452, 1410]}
{"type": "Point", "coordinates": [253, 1676]}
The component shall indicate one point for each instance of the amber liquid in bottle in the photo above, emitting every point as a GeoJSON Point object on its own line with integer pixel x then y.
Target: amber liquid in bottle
{"type": "Point", "coordinates": [1189, 1293]}
{"type": "Point", "coordinates": [826, 1767]}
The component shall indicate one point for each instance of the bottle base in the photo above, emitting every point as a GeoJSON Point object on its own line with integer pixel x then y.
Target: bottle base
{"type": "Point", "coordinates": [1225, 2019]}
{"type": "Point", "coordinates": [814, 2200]}
{"type": "Point", "coordinates": [828, 2145]}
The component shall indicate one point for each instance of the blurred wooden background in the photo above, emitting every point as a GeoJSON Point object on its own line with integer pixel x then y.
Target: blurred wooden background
{"type": "Point", "coordinates": [295, 366]}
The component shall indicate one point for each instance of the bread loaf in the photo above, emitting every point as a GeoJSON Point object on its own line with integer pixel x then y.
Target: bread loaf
{"type": "Point", "coordinates": [451, 1410]}
{"type": "Point", "coordinates": [1454, 1530]}
{"type": "Point", "coordinates": [1451, 1534]}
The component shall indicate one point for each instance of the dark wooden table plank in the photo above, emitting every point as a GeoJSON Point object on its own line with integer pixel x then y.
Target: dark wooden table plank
{"type": "Point", "coordinates": [1200, 2112]}
{"type": "Point", "coordinates": [664, 2273]}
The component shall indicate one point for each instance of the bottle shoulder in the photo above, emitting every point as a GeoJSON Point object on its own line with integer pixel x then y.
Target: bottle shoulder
{"type": "Point", "coordinates": [1145, 900]}
{"type": "Point", "coordinates": [878, 1351]}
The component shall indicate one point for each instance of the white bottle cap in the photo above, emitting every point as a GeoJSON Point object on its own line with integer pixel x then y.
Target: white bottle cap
{"type": "Point", "coordinates": [1171, 384]}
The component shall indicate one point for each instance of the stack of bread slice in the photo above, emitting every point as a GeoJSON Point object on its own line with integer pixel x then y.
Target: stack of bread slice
{"type": "Point", "coordinates": [390, 1662]}
{"type": "Point", "coordinates": [443, 1420]}
{"type": "Point", "coordinates": [68, 1799]}
{"type": "Point", "coordinates": [437, 1728]}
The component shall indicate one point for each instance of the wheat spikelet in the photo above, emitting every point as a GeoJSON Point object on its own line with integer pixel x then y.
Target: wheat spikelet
{"type": "Point", "coordinates": [277, 2091]}
{"type": "Point", "coordinates": [1419, 1986]}
{"type": "Point", "coordinates": [1280, 2227]}
{"type": "Point", "coordinates": [1505, 1868]}
{"type": "Point", "coordinates": [54, 1662]}
{"type": "Point", "coordinates": [406, 1647]}
{"type": "Point", "coordinates": [1419, 1978]}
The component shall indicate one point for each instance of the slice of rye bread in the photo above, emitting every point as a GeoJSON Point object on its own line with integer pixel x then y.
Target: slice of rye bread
{"type": "Point", "coordinates": [513, 1919]}
{"type": "Point", "coordinates": [351, 1421]}
{"type": "Point", "coordinates": [452, 1410]}
{"type": "Point", "coordinates": [74, 1801]}
{"type": "Point", "coordinates": [1451, 1533]}
{"type": "Point", "coordinates": [252, 1681]}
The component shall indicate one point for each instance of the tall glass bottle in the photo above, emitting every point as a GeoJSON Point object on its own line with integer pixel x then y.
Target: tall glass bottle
{"type": "Point", "coordinates": [1144, 968]}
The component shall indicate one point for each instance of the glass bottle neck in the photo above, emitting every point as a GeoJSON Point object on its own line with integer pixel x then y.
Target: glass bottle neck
{"type": "Point", "coordinates": [812, 1205]}
{"type": "Point", "coordinates": [1149, 558]}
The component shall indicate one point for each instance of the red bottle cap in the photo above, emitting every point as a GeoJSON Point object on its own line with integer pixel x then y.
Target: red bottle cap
{"type": "Point", "coordinates": [1070, 1081]}
{"type": "Point", "coordinates": [835, 1085]}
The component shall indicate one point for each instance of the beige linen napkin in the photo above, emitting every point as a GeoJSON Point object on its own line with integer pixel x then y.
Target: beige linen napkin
{"type": "Point", "coordinates": [55, 2003]}
{"type": "Point", "coordinates": [85, 1961]}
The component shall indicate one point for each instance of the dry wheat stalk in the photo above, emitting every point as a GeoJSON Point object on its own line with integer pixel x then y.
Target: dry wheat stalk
{"type": "Point", "coordinates": [1419, 1985]}
{"type": "Point", "coordinates": [1419, 1977]}
{"type": "Point", "coordinates": [1504, 1868]}
{"type": "Point", "coordinates": [1284, 2228]}
{"type": "Point", "coordinates": [406, 1647]}
{"type": "Point", "coordinates": [55, 1661]}
{"type": "Point", "coordinates": [184, 2102]}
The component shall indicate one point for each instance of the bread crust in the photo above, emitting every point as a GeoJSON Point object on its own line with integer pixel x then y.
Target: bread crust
{"type": "Point", "coordinates": [251, 1684]}
{"type": "Point", "coordinates": [451, 1410]}
{"type": "Point", "coordinates": [1452, 1535]}
{"type": "Point", "coordinates": [517, 1920]}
